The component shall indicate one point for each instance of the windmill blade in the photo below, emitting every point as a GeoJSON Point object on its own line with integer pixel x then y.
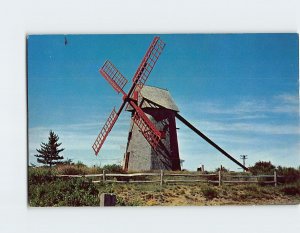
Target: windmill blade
{"type": "Point", "coordinates": [209, 141]}
{"type": "Point", "coordinates": [148, 63]}
{"type": "Point", "coordinates": [105, 131]}
{"type": "Point", "coordinates": [113, 76]}
{"type": "Point", "coordinates": [147, 128]}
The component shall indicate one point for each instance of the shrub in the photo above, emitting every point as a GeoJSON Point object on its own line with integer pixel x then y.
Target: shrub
{"type": "Point", "coordinates": [45, 189]}
{"type": "Point", "coordinates": [63, 192]}
{"type": "Point", "coordinates": [222, 170]}
{"type": "Point", "coordinates": [80, 164]}
{"type": "Point", "coordinates": [71, 170]}
{"type": "Point", "coordinates": [40, 175]}
{"type": "Point", "coordinates": [262, 167]}
{"type": "Point", "coordinates": [209, 193]}
{"type": "Point", "coordinates": [289, 174]}
{"type": "Point", "coordinates": [113, 168]}
{"type": "Point", "coordinates": [291, 190]}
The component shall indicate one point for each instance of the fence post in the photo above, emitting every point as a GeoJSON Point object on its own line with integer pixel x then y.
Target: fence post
{"type": "Point", "coordinates": [220, 178]}
{"type": "Point", "coordinates": [275, 178]}
{"type": "Point", "coordinates": [161, 177]}
{"type": "Point", "coordinates": [103, 176]}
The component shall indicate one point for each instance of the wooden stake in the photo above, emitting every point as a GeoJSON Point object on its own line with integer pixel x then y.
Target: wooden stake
{"type": "Point", "coordinates": [161, 177]}
{"type": "Point", "coordinates": [275, 178]}
{"type": "Point", "coordinates": [220, 179]}
{"type": "Point", "coordinates": [103, 177]}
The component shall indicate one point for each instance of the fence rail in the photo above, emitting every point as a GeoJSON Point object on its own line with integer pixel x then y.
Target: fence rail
{"type": "Point", "coordinates": [219, 178]}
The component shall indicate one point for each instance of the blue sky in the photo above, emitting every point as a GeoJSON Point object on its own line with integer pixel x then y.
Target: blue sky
{"type": "Point", "coordinates": [241, 90]}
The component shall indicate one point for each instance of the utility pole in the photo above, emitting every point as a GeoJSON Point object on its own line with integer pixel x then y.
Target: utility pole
{"type": "Point", "coordinates": [244, 157]}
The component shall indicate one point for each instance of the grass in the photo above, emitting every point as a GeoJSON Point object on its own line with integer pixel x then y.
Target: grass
{"type": "Point", "coordinates": [45, 189]}
{"type": "Point", "coordinates": [209, 192]}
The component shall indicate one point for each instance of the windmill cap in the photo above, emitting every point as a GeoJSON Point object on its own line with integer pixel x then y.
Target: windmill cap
{"type": "Point", "coordinates": [158, 96]}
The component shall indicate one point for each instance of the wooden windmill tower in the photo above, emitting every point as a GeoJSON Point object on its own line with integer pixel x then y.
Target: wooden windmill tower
{"type": "Point", "coordinates": [161, 110]}
{"type": "Point", "coordinates": [152, 139]}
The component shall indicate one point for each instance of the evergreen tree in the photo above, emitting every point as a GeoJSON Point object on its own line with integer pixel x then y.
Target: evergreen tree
{"type": "Point", "coordinates": [49, 152]}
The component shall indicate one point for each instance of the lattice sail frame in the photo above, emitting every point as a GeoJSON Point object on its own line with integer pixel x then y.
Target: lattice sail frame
{"type": "Point", "coordinates": [113, 76]}
{"type": "Point", "coordinates": [148, 63]}
{"type": "Point", "coordinates": [105, 130]}
{"type": "Point", "coordinates": [147, 128]}
{"type": "Point", "coordinates": [118, 81]}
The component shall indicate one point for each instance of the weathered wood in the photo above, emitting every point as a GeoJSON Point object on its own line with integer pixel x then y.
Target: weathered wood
{"type": "Point", "coordinates": [132, 175]}
{"type": "Point", "coordinates": [240, 181]}
{"type": "Point", "coordinates": [137, 175]}
{"type": "Point", "coordinates": [70, 176]}
{"type": "Point", "coordinates": [140, 181]}
{"type": "Point", "coordinates": [258, 176]}
{"type": "Point", "coordinates": [187, 181]}
{"type": "Point", "coordinates": [222, 178]}
{"type": "Point", "coordinates": [107, 199]}
{"type": "Point", "coordinates": [128, 181]}
{"type": "Point", "coordinates": [190, 175]}
{"type": "Point", "coordinates": [213, 181]}
{"type": "Point", "coordinates": [103, 176]}
{"type": "Point", "coordinates": [166, 174]}
{"type": "Point", "coordinates": [275, 178]}
{"type": "Point", "coordinates": [247, 181]}
{"type": "Point", "coordinates": [93, 175]}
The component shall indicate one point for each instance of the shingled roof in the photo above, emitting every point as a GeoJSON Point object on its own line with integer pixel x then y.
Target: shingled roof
{"type": "Point", "coordinates": [157, 96]}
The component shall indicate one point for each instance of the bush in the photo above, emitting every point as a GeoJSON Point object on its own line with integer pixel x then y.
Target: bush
{"type": "Point", "coordinates": [289, 174]}
{"type": "Point", "coordinates": [45, 189]}
{"type": "Point", "coordinates": [222, 170]}
{"type": "Point", "coordinates": [113, 168]}
{"type": "Point", "coordinates": [291, 190]}
{"type": "Point", "coordinates": [71, 192]}
{"type": "Point", "coordinates": [262, 167]}
{"type": "Point", "coordinates": [71, 170]}
{"type": "Point", "coordinates": [40, 175]}
{"type": "Point", "coordinates": [77, 169]}
{"type": "Point", "coordinates": [209, 193]}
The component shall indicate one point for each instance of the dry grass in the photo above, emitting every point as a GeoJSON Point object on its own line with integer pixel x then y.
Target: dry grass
{"type": "Point", "coordinates": [197, 194]}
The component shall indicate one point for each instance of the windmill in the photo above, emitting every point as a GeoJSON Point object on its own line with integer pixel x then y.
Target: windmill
{"type": "Point", "coordinates": [152, 139]}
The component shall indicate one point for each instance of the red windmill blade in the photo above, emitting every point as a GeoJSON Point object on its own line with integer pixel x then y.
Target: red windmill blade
{"type": "Point", "coordinates": [148, 62]}
{"type": "Point", "coordinates": [105, 131]}
{"type": "Point", "coordinates": [118, 81]}
{"type": "Point", "coordinates": [113, 76]}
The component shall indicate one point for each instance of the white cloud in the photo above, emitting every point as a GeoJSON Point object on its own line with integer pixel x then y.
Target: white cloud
{"type": "Point", "coordinates": [288, 98]}
{"type": "Point", "coordinates": [247, 108]}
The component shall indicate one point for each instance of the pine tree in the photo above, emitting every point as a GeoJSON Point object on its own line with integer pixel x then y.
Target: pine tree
{"type": "Point", "coordinates": [49, 152]}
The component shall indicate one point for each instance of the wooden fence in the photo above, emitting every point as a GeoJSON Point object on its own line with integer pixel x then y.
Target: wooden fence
{"type": "Point", "coordinates": [165, 177]}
